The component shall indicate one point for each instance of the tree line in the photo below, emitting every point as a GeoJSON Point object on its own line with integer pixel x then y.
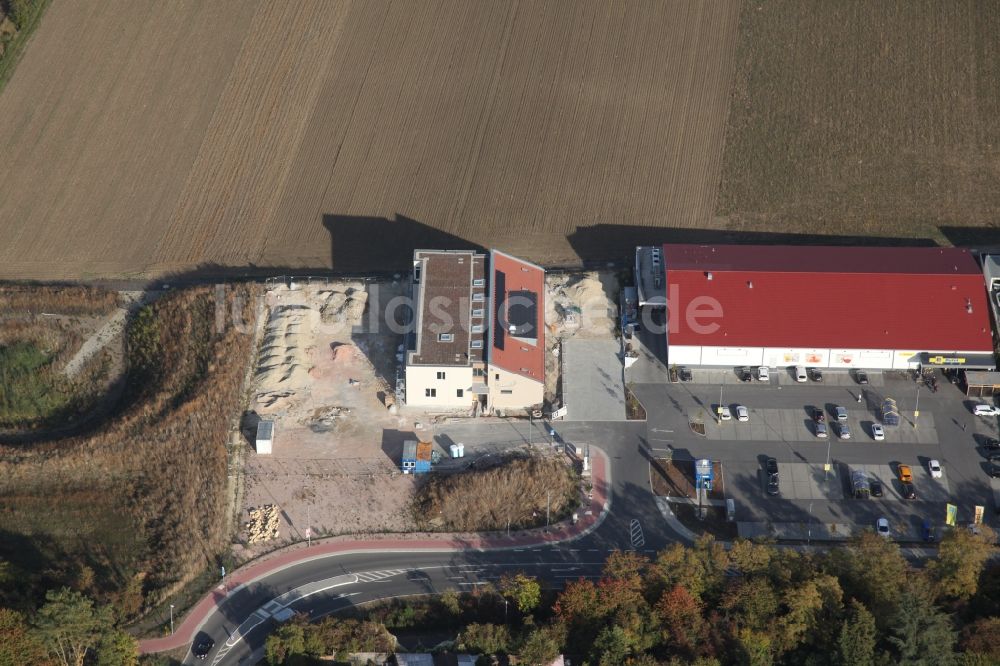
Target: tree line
{"type": "Point", "coordinates": [861, 604]}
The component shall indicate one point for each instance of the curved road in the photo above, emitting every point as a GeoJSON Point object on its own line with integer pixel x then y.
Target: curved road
{"type": "Point", "coordinates": [237, 615]}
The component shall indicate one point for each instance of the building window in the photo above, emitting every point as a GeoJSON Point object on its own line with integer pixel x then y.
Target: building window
{"type": "Point", "coordinates": [459, 393]}
{"type": "Point", "coordinates": [478, 372]}
{"type": "Point", "coordinates": [477, 344]}
{"type": "Point", "coordinates": [478, 313]}
{"type": "Point", "coordinates": [478, 298]}
{"type": "Point", "coordinates": [506, 391]}
{"type": "Point", "coordinates": [498, 376]}
{"type": "Point", "coordinates": [477, 328]}
{"type": "Point", "coordinates": [446, 337]}
{"type": "Point", "coordinates": [430, 393]}
{"type": "Point", "coordinates": [479, 282]}
{"type": "Point", "coordinates": [440, 375]}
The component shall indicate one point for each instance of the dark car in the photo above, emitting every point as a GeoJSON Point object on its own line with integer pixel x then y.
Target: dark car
{"type": "Point", "coordinates": [876, 488]}
{"type": "Point", "coordinates": [908, 491]}
{"type": "Point", "coordinates": [991, 444]}
{"type": "Point", "coordinates": [816, 375]}
{"type": "Point", "coordinates": [202, 647]}
{"type": "Point", "coordinates": [818, 415]}
{"type": "Point", "coordinates": [744, 374]}
{"type": "Point", "coordinates": [771, 467]}
{"type": "Point", "coordinates": [861, 376]}
{"type": "Point", "coordinates": [993, 467]}
{"type": "Point", "coordinates": [928, 532]}
{"type": "Point", "coordinates": [685, 375]}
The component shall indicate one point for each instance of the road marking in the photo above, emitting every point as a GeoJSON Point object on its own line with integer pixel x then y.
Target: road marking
{"type": "Point", "coordinates": [635, 533]}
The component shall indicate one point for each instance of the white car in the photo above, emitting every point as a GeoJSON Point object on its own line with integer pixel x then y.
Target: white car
{"type": "Point", "coordinates": [934, 467]}
{"type": "Point", "coordinates": [882, 527]}
{"type": "Point", "coordinates": [742, 413]}
{"type": "Point", "coordinates": [725, 414]}
{"type": "Point", "coordinates": [800, 374]}
{"type": "Point", "coordinates": [982, 409]}
{"type": "Point", "coordinates": [878, 434]}
{"type": "Point", "coordinates": [762, 374]}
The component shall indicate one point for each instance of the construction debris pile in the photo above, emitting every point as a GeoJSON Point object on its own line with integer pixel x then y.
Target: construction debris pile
{"type": "Point", "coordinates": [344, 304]}
{"type": "Point", "coordinates": [263, 524]}
{"type": "Point", "coordinates": [580, 304]}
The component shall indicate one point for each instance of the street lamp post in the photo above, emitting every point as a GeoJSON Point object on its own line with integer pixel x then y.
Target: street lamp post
{"type": "Point", "coordinates": [171, 619]}
{"type": "Point", "coordinates": [916, 409]}
{"type": "Point", "coordinates": [809, 532]}
{"type": "Point", "coordinates": [719, 410]}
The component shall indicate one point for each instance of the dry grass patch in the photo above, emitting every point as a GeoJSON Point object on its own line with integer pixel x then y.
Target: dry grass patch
{"type": "Point", "coordinates": [515, 493]}
{"type": "Point", "coordinates": [142, 498]}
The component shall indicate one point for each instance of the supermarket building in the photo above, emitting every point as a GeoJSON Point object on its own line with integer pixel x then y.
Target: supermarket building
{"type": "Point", "coordinates": [826, 307]}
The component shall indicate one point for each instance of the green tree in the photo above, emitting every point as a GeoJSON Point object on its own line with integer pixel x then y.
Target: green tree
{"type": "Point", "coordinates": [960, 561]}
{"type": "Point", "coordinates": [810, 608]}
{"type": "Point", "coordinates": [541, 646]}
{"type": "Point", "coordinates": [980, 638]}
{"type": "Point", "coordinates": [450, 604]}
{"type": "Point", "coordinates": [485, 639]}
{"type": "Point", "coordinates": [755, 647]}
{"type": "Point", "coordinates": [872, 569]}
{"type": "Point", "coordinates": [70, 626]}
{"type": "Point", "coordinates": [523, 590]}
{"type": "Point", "coordinates": [751, 603]}
{"type": "Point", "coordinates": [612, 646]}
{"type": "Point", "coordinates": [858, 636]}
{"type": "Point", "coordinates": [921, 634]}
{"type": "Point", "coordinates": [117, 648]}
{"type": "Point", "coordinates": [285, 644]}
{"type": "Point", "coordinates": [18, 644]}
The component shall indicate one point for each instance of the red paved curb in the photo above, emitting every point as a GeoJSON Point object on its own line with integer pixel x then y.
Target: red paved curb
{"type": "Point", "coordinates": [196, 616]}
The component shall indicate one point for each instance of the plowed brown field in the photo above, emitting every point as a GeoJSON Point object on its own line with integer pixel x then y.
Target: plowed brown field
{"type": "Point", "coordinates": [140, 138]}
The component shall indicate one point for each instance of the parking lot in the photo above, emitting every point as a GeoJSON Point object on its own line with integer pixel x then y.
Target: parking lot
{"type": "Point", "coordinates": [798, 424]}
{"type": "Point", "coordinates": [782, 425]}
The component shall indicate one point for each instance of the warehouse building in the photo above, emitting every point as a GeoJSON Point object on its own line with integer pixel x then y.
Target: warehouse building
{"type": "Point", "coordinates": [826, 307]}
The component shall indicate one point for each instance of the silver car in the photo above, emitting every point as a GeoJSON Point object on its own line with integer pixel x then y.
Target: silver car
{"type": "Point", "coordinates": [844, 431]}
{"type": "Point", "coordinates": [821, 430]}
{"type": "Point", "coordinates": [841, 413]}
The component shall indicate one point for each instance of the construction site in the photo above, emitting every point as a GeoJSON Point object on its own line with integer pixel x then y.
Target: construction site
{"type": "Point", "coordinates": [324, 378]}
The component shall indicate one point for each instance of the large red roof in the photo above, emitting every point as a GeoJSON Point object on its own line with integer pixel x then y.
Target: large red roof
{"type": "Point", "coordinates": [829, 297]}
{"type": "Point", "coordinates": [517, 355]}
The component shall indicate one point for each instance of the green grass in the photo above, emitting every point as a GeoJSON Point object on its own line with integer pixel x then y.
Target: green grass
{"type": "Point", "coordinates": [31, 393]}
{"type": "Point", "coordinates": [15, 47]}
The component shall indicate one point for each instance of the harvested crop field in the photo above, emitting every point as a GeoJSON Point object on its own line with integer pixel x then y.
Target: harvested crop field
{"type": "Point", "coordinates": [340, 134]}
{"type": "Point", "coordinates": [866, 118]}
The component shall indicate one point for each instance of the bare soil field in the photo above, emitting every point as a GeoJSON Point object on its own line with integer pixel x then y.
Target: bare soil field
{"type": "Point", "coordinates": [341, 133]}
{"type": "Point", "coordinates": [865, 118]}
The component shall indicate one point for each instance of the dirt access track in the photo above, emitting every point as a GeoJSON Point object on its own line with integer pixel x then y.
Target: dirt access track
{"type": "Point", "coordinates": [143, 138]}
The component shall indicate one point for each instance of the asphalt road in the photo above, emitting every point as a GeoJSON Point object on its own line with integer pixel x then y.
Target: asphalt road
{"type": "Point", "coordinates": [358, 578]}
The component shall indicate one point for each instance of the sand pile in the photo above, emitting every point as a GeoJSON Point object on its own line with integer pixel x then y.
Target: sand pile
{"type": "Point", "coordinates": [579, 304]}
{"type": "Point", "coordinates": [263, 524]}
{"type": "Point", "coordinates": [284, 362]}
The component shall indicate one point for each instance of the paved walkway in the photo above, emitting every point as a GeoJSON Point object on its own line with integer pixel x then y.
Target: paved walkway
{"type": "Point", "coordinates": [593, 386]}
{"type": "Point", "coordinates": [592, 516]}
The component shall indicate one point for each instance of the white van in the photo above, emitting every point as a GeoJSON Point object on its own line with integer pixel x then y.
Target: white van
{"type": "Point", "coordinates": [800, 374]}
